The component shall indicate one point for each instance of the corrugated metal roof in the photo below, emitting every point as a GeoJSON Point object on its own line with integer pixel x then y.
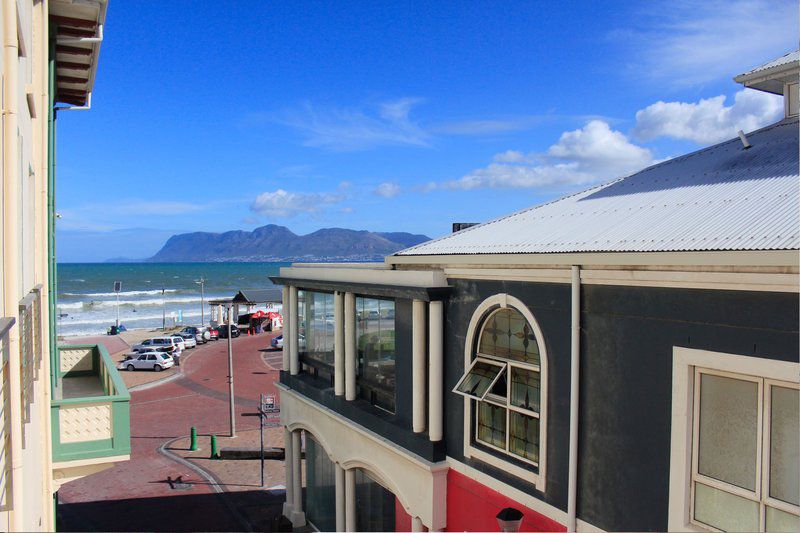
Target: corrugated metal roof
{"type": "Point", "coordinates": [720, 198]}
{"type": "Point", "coordinates": [783, 60]}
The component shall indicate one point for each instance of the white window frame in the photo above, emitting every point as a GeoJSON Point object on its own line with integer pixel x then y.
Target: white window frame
{"type": "Point", "coordinates": [687, 366]}
{"type": "Point", "coordinates": [473, 331]}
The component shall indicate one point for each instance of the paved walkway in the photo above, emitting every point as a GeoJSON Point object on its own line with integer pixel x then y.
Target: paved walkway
{"type": "Point", "coordinates": [136, 495]}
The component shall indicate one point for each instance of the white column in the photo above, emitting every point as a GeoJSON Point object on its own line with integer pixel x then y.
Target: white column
{"type": "Point", "coordinates": [350, 499]}
{"type": "Point", "coordinates": [416, 524]}
{"type": "Point", "coordinates": [286, 327]}
{"type": "Point", "coordinates": [350, 347]}
{"type": "Point", "coordinates": [418, 366]}
{"type": "Point", "coordinates": [294, 358]}
{"type": "Point", "coordinates": [435, 370]}
{"type": "Point", "coordinates": [340, 498]}
{"type": "Point", "coordinates": [338, 343]}
{"type": "Point", "coordinates": [288, 463]}
{"type": "Point", "coordinates": [298, 517]}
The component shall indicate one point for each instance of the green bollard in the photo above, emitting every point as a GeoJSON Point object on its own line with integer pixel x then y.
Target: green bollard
{"type": "Point", "coordinates": [193, 441]}
{"type": "Point", "coordinates": [214, 451]}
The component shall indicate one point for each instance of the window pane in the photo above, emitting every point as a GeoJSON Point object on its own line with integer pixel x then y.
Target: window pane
{"type": "Point", "coordinates": [784, 445]}
{"type": "Point", "coordinates": [375, 506]}
{"type": "Point", "coordinates": [524, 437]}
{"type": "Point", "coordinates": [316, 328]}
{"type": "Point", "coordinates": [376, 351]}
{"type": "Point", "coordinates": [477, 381]}
{"type": "Point", "coordinates": [728, 430]}
{"type": "Point", "coordinates": [320, 493]}
{"type": "Point", "coordinates": [525, 389]}
{"type": "Point", "coordinates": [507, 334]}
{"type": "Point", "coordinates": [723, 510]}
{"type": "Point", "coordinates": [492, 424]}
{"type": "Point", "coordinates": [778, 521]}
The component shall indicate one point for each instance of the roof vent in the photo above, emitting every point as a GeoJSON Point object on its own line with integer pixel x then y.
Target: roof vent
{"type": "Point", "coordinates": [743, 138]}
{"type": "Point", "coordinates": [458, 226]}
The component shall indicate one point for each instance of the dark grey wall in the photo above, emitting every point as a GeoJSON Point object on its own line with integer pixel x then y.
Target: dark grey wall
{"type": "Point", "coordinates": [628, 334]}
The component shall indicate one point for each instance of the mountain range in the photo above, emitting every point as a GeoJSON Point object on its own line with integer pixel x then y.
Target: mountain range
{"type": "Point", "coordinates": [279, 243]}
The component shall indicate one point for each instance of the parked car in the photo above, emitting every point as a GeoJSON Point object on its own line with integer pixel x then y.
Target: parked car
{"type": "Point", "coordinates": [188, 341]}
{"type": "Point", "coordinates": [159, 343]}
{"type": "Point", "coordinates": [277, 342]}
{"type": "Point", "coordinates": [149, 360]}
{"type": "Point", "coordinates": [201, 333]}
{"type": "Point", "coordinates": [180, 341]}
{"type": "Point", "coordinates": [214, 333]}
{"type": "Point", "coordinates": [223, 331]}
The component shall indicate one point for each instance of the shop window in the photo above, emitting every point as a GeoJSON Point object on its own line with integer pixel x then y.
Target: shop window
{"type": "Point", "coordinates": [315, 341]}
{"type": "Point", "coordinates": [375, 505]}
{"type": "Point", "coordinates": [503, 385]}
{"type": "Point", "coordinates": [745, 449]}
{"type": "Point", "coordinates": [375, 340]}
{"type": "Point", "coordinates": [320, 493]}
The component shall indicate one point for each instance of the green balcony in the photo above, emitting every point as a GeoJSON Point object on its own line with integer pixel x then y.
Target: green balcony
{"type": "Point", "coordinates": [90, 407]}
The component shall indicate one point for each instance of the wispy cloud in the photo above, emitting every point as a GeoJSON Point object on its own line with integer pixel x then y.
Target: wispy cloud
{"type": "Point", "coordinates": [281, 203]}
{"type": "Point", "coordinates": [691, 42]}
{"type": "Point", "coordinates": [387, 189]}
{"type": "Point", "coordinates": [337, 129]}
{"type": "Point", "coordinates": [709, 120]}
{"type": "Point", "coordinates": [585, 155]}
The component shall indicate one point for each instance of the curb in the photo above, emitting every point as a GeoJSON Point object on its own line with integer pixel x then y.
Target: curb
{"type": "Point", "coordinates": [208, 476]}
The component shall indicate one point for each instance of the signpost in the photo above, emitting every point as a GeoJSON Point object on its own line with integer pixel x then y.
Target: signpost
{"type": "Point", "coordinates": [117, 288]}
{"type": "Point", "coordinates": [270, 416]}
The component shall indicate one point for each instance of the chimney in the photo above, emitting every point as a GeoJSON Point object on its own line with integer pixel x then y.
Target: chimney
{"type": "Point", "coordinates": [458, 226]}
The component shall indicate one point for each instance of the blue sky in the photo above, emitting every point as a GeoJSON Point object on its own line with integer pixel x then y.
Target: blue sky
{"type": "Point", "coordinates": [392, 116]}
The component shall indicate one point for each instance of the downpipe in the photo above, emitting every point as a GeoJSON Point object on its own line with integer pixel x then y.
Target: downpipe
{"type": "Point", "coordinates": [574, 392]}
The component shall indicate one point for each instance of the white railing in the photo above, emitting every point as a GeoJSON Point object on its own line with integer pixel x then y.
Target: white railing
{"type": "Point", "coordinates": [5, 416]}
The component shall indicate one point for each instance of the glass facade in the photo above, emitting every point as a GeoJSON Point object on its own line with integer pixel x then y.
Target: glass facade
{"type": "Point", "coordinates": [375, 506]}
{"type": "Point", "coordinates": [320, 494]}
{"type": "Point", "coordinates": [315, 333]}
{"type": "Point", "coordinates": [375, 341]}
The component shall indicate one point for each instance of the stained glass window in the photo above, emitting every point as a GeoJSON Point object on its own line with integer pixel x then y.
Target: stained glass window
{"type": "Point", "coordinates": [508, 335]}
{"type": "Point", "coordinates": [504, 384]}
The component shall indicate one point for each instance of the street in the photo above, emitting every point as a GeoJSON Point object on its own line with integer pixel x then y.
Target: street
{"type": "Point", "coordinates": [137, 494]}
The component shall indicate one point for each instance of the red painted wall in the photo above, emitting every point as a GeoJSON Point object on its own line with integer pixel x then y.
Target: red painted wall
{"type": "Point", "coordinates": [402, 520]}
{"type": "Point", "coordinates": [473, 507]}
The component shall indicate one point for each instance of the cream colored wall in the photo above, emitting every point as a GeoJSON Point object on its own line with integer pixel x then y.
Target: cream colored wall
{"type": "Point", "coordinates": [24, 247]}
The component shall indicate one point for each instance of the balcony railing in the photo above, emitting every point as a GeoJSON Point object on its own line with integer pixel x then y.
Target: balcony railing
{"type": "Point", "coordinates": [90, 410]}
{"type": "Point", "coordinates": [5, 415]}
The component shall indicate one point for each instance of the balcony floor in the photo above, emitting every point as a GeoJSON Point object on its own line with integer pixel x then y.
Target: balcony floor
{"type": "Point", "coordinates": [81, 387]}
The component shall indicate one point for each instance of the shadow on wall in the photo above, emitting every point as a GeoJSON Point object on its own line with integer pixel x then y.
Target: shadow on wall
{"type": "Point", "coordinates": [181, 512]}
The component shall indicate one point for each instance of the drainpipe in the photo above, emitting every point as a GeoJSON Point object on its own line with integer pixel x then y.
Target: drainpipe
{"type": "Point", "coordinates": [11, 292]}
{"type": "Point", "coordinates": [575, 359]}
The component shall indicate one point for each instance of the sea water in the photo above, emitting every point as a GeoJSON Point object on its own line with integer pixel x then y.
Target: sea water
{"type": "Point", "coordinates": [87, 303]}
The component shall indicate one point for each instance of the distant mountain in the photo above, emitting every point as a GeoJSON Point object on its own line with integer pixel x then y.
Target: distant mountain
{"type": "Point", "coordinates": [278, 243]}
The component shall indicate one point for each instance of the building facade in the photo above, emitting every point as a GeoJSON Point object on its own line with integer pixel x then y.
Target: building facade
{"type": "Point", "coordinates": [625, 358]}
{"type": "Point", "coordinates": [63, 412]}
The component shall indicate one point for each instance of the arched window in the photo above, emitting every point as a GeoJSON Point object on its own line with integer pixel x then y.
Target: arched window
{"type": "Point", "coordinates": [503, 381]}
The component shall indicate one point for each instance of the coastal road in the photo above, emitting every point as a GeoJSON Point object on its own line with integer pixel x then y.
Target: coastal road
{"type": "Point", "coordinates": [135, 495]}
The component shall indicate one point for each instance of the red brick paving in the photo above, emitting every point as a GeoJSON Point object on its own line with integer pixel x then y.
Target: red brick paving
{"type": "Point", "coordinates": [134, 495]}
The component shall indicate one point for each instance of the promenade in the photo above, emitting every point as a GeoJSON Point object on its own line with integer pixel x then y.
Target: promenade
{"type": "Point", "coordinates": [136, 495]}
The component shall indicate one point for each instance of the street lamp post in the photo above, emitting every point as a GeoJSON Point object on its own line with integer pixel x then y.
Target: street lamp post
{"type": "Point", "coordinates": [202, 283]}
{"type": "Point", "coordinates": [163, 310]}
{"type": "Point", "coordinates": [230, 372]}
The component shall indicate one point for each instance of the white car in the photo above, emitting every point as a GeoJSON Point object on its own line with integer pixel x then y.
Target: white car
{"type": "Point", "coordinates": [186, 342]}
{"type": "Point", "coordinates": [149, 360]}
{"type": "Point", "coordinates": [158, 343]}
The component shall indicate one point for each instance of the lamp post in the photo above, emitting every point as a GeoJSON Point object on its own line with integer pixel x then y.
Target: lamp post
{"type": "Point", "coordinates": [163, 310]}
{"type": "Point", "coordinates": [117, 288]}
{"type": "Point", "coordinates": [230, 371]}
{"type": "Point", "coordinates": [202, 283]}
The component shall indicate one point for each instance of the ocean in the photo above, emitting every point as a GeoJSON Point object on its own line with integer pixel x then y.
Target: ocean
{"type": "Point", "coordinates": [87, 304]}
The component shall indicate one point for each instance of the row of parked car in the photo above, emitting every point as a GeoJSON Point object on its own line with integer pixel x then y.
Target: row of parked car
{"type": "Point", "coordinates": [160, 353]}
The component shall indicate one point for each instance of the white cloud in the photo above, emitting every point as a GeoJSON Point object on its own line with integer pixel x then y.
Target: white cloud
{"type": "Point", "coordinates": [585, 155]}
{"type": "Point", "coordinates": [689, 42]}
{"type": "Point", "coordinates": [356, 129]}
{"type": "Point", "coordinates": [708, 121]}
{"type": "Point", "coordinates": [281, 203]}
{"type": "Point", "coordinates": [387, 189]}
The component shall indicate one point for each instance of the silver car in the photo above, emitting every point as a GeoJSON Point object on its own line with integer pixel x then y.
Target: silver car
{"type": "Point", "coordinates": [185, 342]}
{"type": "Point", "coordinates": [150, 360]}
{"type": "Point", "coordinates": [157, 343]}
